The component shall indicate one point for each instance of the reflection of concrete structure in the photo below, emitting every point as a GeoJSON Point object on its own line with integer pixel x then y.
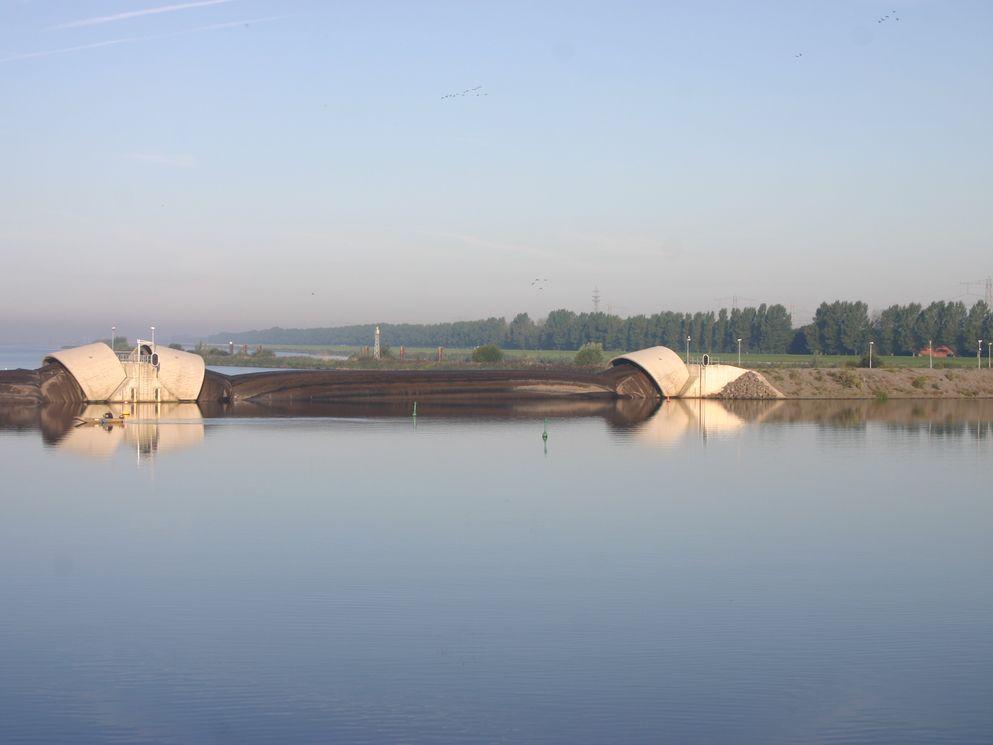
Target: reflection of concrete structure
{"type": "Point", "coordinates": [150, 429]}
{"type": "Point", "coordinates": [676, 420]}
{"type": "Point", "coordinates": [144, 374]}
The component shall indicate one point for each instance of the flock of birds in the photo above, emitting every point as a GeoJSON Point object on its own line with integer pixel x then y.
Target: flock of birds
{"type": "Point", "coordinates": [477, 91]}
{"type": "Point", "coordinates": [891, 16]}
{"type": "Point", "coordinates": [539, 284]}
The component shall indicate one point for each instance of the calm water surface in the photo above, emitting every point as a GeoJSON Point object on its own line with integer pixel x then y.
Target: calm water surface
{"type": "Point", "coordinates": [767, 574]}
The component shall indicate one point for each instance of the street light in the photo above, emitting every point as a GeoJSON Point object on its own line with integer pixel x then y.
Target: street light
{"type": "Point", "coordinates": [979, 355]}
{"type": "Point", "coordinates": [989, 355]}
{"type": "Point", "coordinates": [739, 352]}
{"type": "Point", "coordinates": [870, 353]}
{"type": "Point", "coordinates": [153, 338]}
{"type": "Point", "coordinates": [687, 349]}
{"type": "Point", "coordinates": [113, 338]}
{"type": "Point", "coordinates": [930, 354]}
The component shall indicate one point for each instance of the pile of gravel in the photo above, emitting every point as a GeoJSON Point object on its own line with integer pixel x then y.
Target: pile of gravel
{"type": "Point", "coordinates": [751, 385]}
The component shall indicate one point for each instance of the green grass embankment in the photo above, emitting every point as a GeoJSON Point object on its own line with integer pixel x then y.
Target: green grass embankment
{"type": "Point", "coordinates": [881, 383]}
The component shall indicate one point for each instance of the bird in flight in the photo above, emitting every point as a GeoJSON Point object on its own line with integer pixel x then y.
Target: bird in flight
{"type": "Point", "coordinates": [477, 91]}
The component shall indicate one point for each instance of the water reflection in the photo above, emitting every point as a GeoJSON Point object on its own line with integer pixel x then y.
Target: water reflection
{"type": "Point", "coordinates": [679, 419]}
{"type": "Point", "coordinates": [149, 428]}
{"type": "Point", "coordinates": [749, 572]}
{"type": "Point", "coordinates": [935, 417]}
{"type": "Point", "coordinates": [145, 429]}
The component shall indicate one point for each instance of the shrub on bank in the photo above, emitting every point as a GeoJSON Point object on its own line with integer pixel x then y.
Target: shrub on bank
{"type": "Point", "coordinates": [845, 378]}
{"type": "Point", "coordinates": [487, 353]}
{"type": "Point", "coordinates": [590, 354]}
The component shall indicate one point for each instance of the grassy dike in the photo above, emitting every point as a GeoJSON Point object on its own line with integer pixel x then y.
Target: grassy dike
{"type": "Point", "coordinates": [881, 383]}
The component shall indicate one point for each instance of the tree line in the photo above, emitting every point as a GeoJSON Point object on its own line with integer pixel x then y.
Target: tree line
{"type": "Point", "coordinates": [840, 327]}
{"type": "Point", "coordinates": [763, 328]}
{"type": "Point", "coordinates": [844, 327]}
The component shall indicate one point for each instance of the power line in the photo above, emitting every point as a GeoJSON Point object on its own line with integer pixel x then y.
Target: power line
{"type": "Point", "coordinates": [988, 282]}
{"type": "Point", "coordinates": [735, 299]}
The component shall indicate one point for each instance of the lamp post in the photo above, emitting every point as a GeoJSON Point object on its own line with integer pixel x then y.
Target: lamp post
{"type": "Point", "coordinates": [688, 349]}
{"type": "Point", "coordinates": [930, 354]}
{"type": "Point", "coordinates": [153, 338]}
{"type": "Point", "coordinates": [979, 355]}
{"type": "Point", "coordinates": [989, 355]}
{"type": "Point", "coordinates": [113, 338]}
{"type": "Point", "coordinates": [870, 353]}
{"type": "Point", "coordinates": [739, 352]}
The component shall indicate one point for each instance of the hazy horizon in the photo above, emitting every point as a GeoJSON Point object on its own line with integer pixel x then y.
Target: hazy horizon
{"type": "Point", "coordinates": [212, 166]}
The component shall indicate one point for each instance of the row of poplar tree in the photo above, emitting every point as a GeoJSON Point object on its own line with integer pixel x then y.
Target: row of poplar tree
{"type": "Point", "coordinates": [840, 327]}
{"type": "Point", "coordinates": [845, 327]}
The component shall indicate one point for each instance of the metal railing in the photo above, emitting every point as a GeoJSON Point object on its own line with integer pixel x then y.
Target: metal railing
{"type": "Point", "coordinates": [132, 357]}
{"type": "Point", "coordinates": [711, 360]}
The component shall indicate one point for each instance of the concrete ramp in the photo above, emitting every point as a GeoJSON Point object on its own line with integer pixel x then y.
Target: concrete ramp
{"type": "Point", "coordinates": [709, 380]}
{"type": "Point", "coordinates": [726, 381]}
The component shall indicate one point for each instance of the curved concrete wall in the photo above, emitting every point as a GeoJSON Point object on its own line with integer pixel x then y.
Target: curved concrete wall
{"type": "Point", "coordinates": [95, 367]}
{"type": "Point", "coordinates": [180, 373]}
{"type": "Point", "coordinates": [666, 369]}
{"type": "Point", "coordinates": [103, 377]}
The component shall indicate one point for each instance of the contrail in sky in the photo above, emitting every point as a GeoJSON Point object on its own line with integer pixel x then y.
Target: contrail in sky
{"type": "Point", "coordinates": [139, 13]}
{"type": "Point", "coordinates": [133, 39]}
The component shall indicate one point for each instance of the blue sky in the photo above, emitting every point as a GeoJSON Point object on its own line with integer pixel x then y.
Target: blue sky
{"type": "Point", "coordinates": [239, 163]}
